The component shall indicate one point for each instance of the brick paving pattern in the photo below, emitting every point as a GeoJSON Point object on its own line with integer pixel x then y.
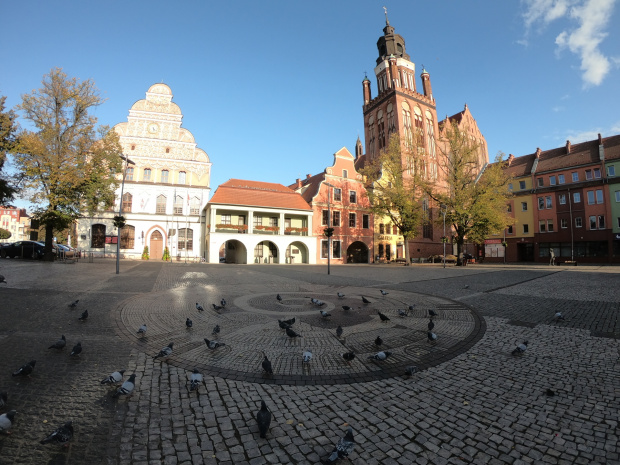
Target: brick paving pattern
{"type": "Point", "coordinates": [471, 402]}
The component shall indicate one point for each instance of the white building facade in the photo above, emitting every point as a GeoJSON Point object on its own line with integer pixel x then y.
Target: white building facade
{"type": "Point", "coordinates": [165, 191]}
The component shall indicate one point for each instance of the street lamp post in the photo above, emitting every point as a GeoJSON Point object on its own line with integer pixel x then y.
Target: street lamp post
{"type": "Point", "coordinates": [329, 228]}
{"type": "Point", "coordinates": [120, 210]}
{"type": "Point", "coordinates": [444, 208]}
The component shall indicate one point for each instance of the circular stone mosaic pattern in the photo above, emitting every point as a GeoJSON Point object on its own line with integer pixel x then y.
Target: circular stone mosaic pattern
{"type": "Point", "coordinates": [249, 331]}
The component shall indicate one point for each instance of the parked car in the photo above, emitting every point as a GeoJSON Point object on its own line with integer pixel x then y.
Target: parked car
{"type": "Point", "coordinates": [24, 249]}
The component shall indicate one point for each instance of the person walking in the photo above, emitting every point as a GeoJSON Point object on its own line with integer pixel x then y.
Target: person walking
{"type": "Point", "coordinates": [551, 257]}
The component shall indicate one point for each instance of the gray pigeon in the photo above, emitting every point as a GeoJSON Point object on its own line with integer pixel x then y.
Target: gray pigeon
{"type": "Point", "coordinates": [431, 325]}
{"type": "Point", "coordinates": [73, 304]}
{"type": "Point", "coordinates": [432, 337]}
{"type": "Point", "coordinates": [84, 316]}
{"type": "Point", "coordinates": [412, 307]}
{"type": "Point", "coordinates": [127, 387]}
{"type": "Point", "coordinates": [346, 308]}
{"type": "Point", "coordinates": [559, 316]}
{"type": "Point", "coordinates": [290, 321]}
{"type": "Point", "coordinates": [223, 302]}
{"type": "Point", "coordinates": [211, 344]}
{"type": "Point", "coordinates": [189, 323]}
{"type": "Point", "coordinates": [403, 313]}
{"type": "Point", "coordinates": [142, 330]}
{"type": "Point", "coordinates": [383, 317]}
{"type": "Point", "coordinates": [199, 307]}
{"type": "Point", "coordinates": [217, 308]}
{"type": "Point", "coordinates": [4, 399]}
{"type": "Point", "coordinates": [344, 447]}
{"type": "Point", "coordinates": [339, 331]}
{"type": "Point", "coordinates": [340, 295]}
{"type": "Point", "coordinates": [411, 370]}
{"type": "Point", "coordinates": [77, 349]}
{"type": "Point", "coordinates": [263, 418]}
{"type": "Point", "coordinates": [432, 313]}
{"type": "Point", "coordinates": [267, 366]}
{"type": "Point", "coordinates": [6, 421]}
{"type": "Point", "coordinates": [59, 344]}
{"type": "Point", "coordinates": [195, 380]}
{"type": "Point", "coordinates": [365, 300]}
{"type": "Point", "coordinates": [114, 378]}
{"type": "Point", "coordinates": [283, 325]}
{"type": "Point", "coordinates": [378, 341]}
{"type": "Point", "coordinates": [216, 330]}
{"type": "Point", "coordinates": [61, 436]}
{"type": "Point", "coordinates": [383, 293]}
{"type": "Point", "coordinates": [26, 369]}
{"type": "Point", "coordinates": [317, 302]}
{"type": "Point", "coordinates": [324, 314]}
{"type": "Point", "coordinates": [380, 356]}
{"type": "Point", "coordinates": [290, 333]}
{"type": "Point", "coordinates": [307, 356]}
{"type": "Point", "coordinates": [279, 298]}
{"type": "Point", "coordinates": [348, 357]}
{"type": "Point", "coordinates": [165, 352]}
{"type": "Point", "coordinates": [520, 348]}
{"type": "Point", "coordinates": [2, 280]}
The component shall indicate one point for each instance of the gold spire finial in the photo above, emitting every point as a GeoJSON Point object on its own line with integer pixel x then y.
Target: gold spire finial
{"type": "Point", "coordinates": [386, 17]}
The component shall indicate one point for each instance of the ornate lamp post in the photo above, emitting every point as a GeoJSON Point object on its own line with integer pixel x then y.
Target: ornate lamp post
{"type": "Point", "coordinates": [119, 221]}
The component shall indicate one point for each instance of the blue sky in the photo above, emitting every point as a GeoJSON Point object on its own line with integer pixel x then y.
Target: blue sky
{"type": "Point", "coordinates": [272, 89]}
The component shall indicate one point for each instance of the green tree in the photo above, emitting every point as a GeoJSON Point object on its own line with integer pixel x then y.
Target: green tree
{"type": "Point", "coordinates": [8, 141]}
{"type": "Point", "coordinates": [395, 188]}
{"type": "Point", "coordinates": [5, 233]}
{"type": "Point", "coordinates": [67, 163]}
{"type": "Point", "coordinates": [475, 197]}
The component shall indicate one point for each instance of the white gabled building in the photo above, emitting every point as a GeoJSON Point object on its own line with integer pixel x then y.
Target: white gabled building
{"type": "Point", "coordinates": [165, 191]}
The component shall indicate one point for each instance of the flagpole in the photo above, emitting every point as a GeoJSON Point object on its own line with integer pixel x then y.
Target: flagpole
{"type": "Point", "coordinates": [186, 226]}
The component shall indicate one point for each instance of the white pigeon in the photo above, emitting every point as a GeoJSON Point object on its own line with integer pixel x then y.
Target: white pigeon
{"type": "Point", "coordinates": [6, 421]}
{"type": "Point", "coordinates": [195, 380]}
{"type": "Point", "coordinates": [127, 388]}
{"type": "Point", "coordinates": [307, 356]}
{"type": "Point", "coordinates": [114, 378]}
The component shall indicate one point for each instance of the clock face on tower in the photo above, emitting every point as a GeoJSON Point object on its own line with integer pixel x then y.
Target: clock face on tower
{"type": "Point", "coordinates": [153, 128]}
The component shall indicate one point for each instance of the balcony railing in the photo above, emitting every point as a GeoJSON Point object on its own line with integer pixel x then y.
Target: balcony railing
{"type": "Point", "coordinates": [265, 230]}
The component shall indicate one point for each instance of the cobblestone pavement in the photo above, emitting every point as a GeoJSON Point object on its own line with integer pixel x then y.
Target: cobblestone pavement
{"type": "Point", "coordinates": [471, 402]}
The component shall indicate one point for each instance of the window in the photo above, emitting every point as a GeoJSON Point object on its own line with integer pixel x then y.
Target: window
{"type": "Point", "coordinates": [549, 225]}
{"type": "Point", "coordinates": [324, 248]}
{"type": "Point", "coordinates": [129, 173]}
{"type": "Point", "coordinates": [351, 220]}
{"type": "Point", "coordinates": [509, 208]}
{"type": "Point", "coordinates": [273, 221]}
{"type": "Point", "coordinates": [258, 220]}
{"type": "Point", "coordinates": [576, 197]}
{"type": "Point", "coordinates": [563, 223]}
{"type": "Point", "coordinates": [127, 200]}
{"type": "Point", "coordinates": [541, 182]}
{"type": "Point", "coordinates": [526, 228]}
{"type": "Point", "coordinates": [578, 222]}
{"type": "Point", "coordinates": [337, 195]}
{"type": "Point", "coordinates": [599, 196]}
{"type": "Point", "coordinates": [178, 206]}
{"type": "Point", "coordinates": [619, 221]}
{"type": "Point", "coordinates": [593, 222]}
{"type": "Point", "coordinates": [542, 226]}
{"type": "Point", "coordinates": [335, 249]}
{"type": "Point", "coordinates": [611, 171]}
{"type": "Point", "coordinates": [325, 219]}
{"type": "Point", "coordinates": [509, 186]}
{"type": "Point", "coordinates": [365, 221]}
{"type": "Point", "coordinates": [588, 175]}
{"type": "Point", "coordinates": [182, 176]}
{"type": "Point", "coordinates": [590, 197]}
{"type": "Point", "coordinates": [521, 185]}
{"type": "Point", "coordinates": [194, 206]}
{"type": "Point", "coordinates": [617, 196]}
{"type": "Point", "coordinates": [561, 179]}
{"type": "Point", "coordinates": [164, 176]}
{"type": "Point", "coordinates": [597, 173]}
{"type": "Point", "coordinates": [128, 234]}
{"type": "Point", "coordinates": [160, 206]}
{"type": "Point", "coordinates": [336, 218]}
{"type": "Point", "coordinates": [509, 230]}
{"type": "Point", "coordinates": [601, 222]}
{"type": "Point", "coordinates": [226, 219]}
{"type": "Point", "coordinates": [345, 174]}
{"type": "Point", "coordinates": [548, 201]}
{"type": "Point", "coordinates": [523, 206]}
{"type": "Point", "coordinates": [541, 203]}
{"type": "Point", "coordinates": [395, 230]}
{"type": "Point", "coordinates": [352, 197]}
{"type": "Point", "coordinates": [258, 250]}
{"type": "Point", "coordinates": [147, 174]}
{"type": "Point", "coordinates": [552, 180]}
{"type": "Point", "coordinates": [186, 239]}
{"type": "Point", "coordinates": [381, 228]}
{"type": "Point", "coordinates": [562, 199]}
{"type": "Point", "coordinates": [97, 239]}
{"type": "Point", "coordinates": [575, 176]}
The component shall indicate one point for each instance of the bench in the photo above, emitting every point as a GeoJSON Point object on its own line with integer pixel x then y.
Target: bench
{"type": "Point", "coordinates": [570, 262]}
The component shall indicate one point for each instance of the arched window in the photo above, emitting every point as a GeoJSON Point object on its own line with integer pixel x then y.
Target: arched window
{"type": "Point", "coordinates": [97, 236]}
{"type": "Point", "coordinates": [407, 124]}
{"type": "Point", "coordinates": [147, 174]}
{"type": "Point", "coordinates": [182, 176]}
{"type": "Point", "coordinates": [178, 205]}
{"type": "Point", "coordinates": [161, 204]}
{"type": "Point", "coordinates": [194, 206]}
{"type": "Point", "coordinates": [127, 201]}
{"type": "Point", "coordinates": [186, 239]}
{"type": "Point", "coordinates": [390, 119]}
{"type": "Point", "coordinates": [381, 129]}
{"type": "Point", "coordinates": [371, 136]}
{"type": "Point", "coordinates": [128, 234]}
{"type": "Point", "coordinates": [430, 132]}
{"type": "Point", "coordinates": [419, 125]}
{"type": "Point", "coordinates": [164, 176]}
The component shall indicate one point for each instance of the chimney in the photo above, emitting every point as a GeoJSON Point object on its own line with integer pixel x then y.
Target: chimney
{"type": "Point", "coordinates": [600, 139]}
{"type": "Point", "coordinates": [538, 152]}
{"type": "Point", "coordinates": [567, 146]}
{"type": "Point", "coordinates": [511, 157]}
{"type": "Point", "coordinates": [298, 183]}
{"type": "Point", "coordinates": [308, 176]}
{"type": "Point", "coordinates": [601, 148]}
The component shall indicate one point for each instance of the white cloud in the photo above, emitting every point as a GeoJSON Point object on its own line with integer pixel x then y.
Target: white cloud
{"type": "Point", "coordinates": [582, 136]}
{"type": "Point", "coordinates": [592, 17]}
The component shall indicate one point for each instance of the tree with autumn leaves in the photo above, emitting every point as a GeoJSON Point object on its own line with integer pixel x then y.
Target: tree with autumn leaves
{"type": "Point", "coordinates": [66, 163]}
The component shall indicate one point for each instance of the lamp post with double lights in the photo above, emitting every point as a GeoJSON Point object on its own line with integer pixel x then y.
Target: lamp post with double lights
{"type": "Point", "coordinates": [329, 231]}
{"type": "Point", "coordinates": [444, 209]}
{"type": "Point", "coordinates": [127, 162]}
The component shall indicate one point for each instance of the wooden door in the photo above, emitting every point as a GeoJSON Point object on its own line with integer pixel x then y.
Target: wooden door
{"type": "Point", "coordinates": [156, 247]}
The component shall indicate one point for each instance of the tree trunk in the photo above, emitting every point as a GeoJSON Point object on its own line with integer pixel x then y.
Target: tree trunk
{"type": "Point", "coordinates": [48, 254]}
{"type": "Point", "coordinates": [407, 253]}
{"type": "Point", "coordinates": [459, 251]}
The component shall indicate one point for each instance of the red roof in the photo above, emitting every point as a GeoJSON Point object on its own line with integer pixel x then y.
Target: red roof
{"type": "Point", "coordinates": [258, 194]}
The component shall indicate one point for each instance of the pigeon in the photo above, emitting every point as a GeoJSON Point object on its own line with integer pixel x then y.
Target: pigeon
{"type": "Point", "coordinates": [307, 356]}
{"type": "Point", "coordinates": [189, 323]}
{"type": "Point", "coordinates": [142, 330]}
{"type": "Point", "coordinates": [4, 399]}
{"type": "Point", "coordinates": [61, 436]}
{"type": "Point", "coordinates": [431, 325]}
{"type": "Point", "coordinates": [383, 355]}
{"type": "Point", "coordinates": [217, 308]}
{"type": "Point", "coordinates": [263, 418]}
{"type": "Point", "coordinates": [199, 307]}
{"type": "Point", "coordinates": [412, 307]}
{"type": "Point", "coordinates": [267, 366]}
{"type": "Point", "coordinates": [213, 344]}
{"type": "Point", "coordinates": [59, 344]}
{"type": "Point", "coordinates": [223, 302]}
{"type": "Point", "coordinates": [431, 313]}
{"type": "Point", "coordinates": [432, 337]}
{"type": "Point", "coordinates": [317, 302]}
{"type": "Point", "coordinates": [2, 280]}
{"type": "Point", "coordinates": [283, 324]}
{"type": "Point", "coordinates": [290, 321]}
{"type": "Point", "coordinates": [6, 421]}
{"type": "Point", "coordinates": [383, 317]}
{"type": "Point", "coordinates": [291, 333]}
{"type": "Point", "coordinates": [165, 352]}
{"type": "Point", "coordinates": [84, 315]}
{"type": "Point", "coordinates": [324, 314]}
{"type": "Point", "coordinates": [410, 370]}
{"type": "Point", "coordinates": [383, 293]}
{"type": "Point", "coordinates": [77, 349]}
{"type": "Point", "coordinates": [378, 341]}
{"type": "Point", "coordinates": [195, 380]}
{"type": "Point", "coordinates": [559, 316]}
{"type": "Point", "coordinates": [279, 298]}
{"type": "Point", "coordinates": [126, 388]}
{"type": "Point", "coordinates": [346, 308]}
{"type": "Point", "coordinates": [520, 348]}
{"type": "Point", "coordinates": [403, 313]}
{"type": "Point", "coordinates": [73, 304]}
{"type": "Point", "coordinates": [114, 378]}
{"type": "Point", "coordinates": [466, 286]}
{"type": "Point", "coordinates": [340, 295]}
{"type": "Point", "coordinates": [365, 300]}
{"type": "Point", "coordinates": [26, 369]}
{"type": "Point", "coordinates": [216, 330]}
{"type": "Point", "coordinates": [339, 331]}
{"type": "Point", "coordinates": [348, 356]}
{"type": "Point", "coordinates": [344, 447]}
{"type": "Point", "coordinates": [550, 393]}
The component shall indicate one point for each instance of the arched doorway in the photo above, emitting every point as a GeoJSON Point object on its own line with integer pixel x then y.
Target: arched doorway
{"type": "Point", "coordinates": [233, 251]}
{"type": "Point", "coordinates": [266, 252]}
{"type": "Point", "coordinates": [156, 246]}
{"type": "Point", "coordinates": [357, 253]}
{"type": "Point", "coordinates": [296, 253]}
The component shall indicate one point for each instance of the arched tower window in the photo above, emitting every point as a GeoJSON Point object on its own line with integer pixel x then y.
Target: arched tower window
{"type": "Point", "coordinates": [161, 204]}
{"type": "Point", "coordinates": [194, 206]}
{"type": "Point", "coordinates": [381, 129]}
{"type": "Point", "coordinates": [430, 132]}
{"type": "Point", "coordinates": [371, 136]}
{"type": "Point", "coordinates": [178, 205]}
{"type": "Point", "coordinates": [390, 119]}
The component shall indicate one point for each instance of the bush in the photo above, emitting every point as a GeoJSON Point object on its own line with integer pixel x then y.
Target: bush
{"type": "Point", "coordinates": [166, 256]}
{"type": "Point", "coordinates": [145, 253]}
